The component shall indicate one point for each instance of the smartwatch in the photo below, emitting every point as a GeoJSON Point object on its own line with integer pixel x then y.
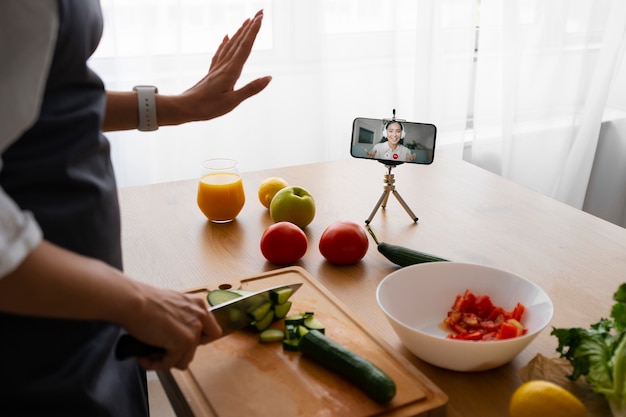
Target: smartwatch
{"type": "Point", "coordinates": [146, 105]}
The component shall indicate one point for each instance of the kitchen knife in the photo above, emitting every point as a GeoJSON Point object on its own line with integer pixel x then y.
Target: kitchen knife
{"type": "Point", "coordinates": [231, 315]}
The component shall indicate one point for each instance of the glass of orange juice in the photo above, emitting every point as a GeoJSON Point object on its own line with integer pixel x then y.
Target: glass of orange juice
{"type": "Point", "coordinates": [220, 191]}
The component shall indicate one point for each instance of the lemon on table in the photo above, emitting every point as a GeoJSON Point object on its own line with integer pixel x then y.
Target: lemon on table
{"type": "Point", "coordinates": [268, 188]}
{"type": "Point", "coordinates": [539, 398]}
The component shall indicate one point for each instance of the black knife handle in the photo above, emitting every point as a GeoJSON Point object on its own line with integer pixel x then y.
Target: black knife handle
{"type": "Point", "coordinates": [129, 347]}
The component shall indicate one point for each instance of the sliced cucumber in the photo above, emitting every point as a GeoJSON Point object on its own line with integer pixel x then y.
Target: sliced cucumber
{"type": "Point", "coordinates": [291, 340]}
{"type": "Point", "coordinates": [241, 292]}
{"type": "Point", "coordinates": [281, 310]}
{"type": "Point", "coordinates": [260, 311]}
{"type": "Point", "coordinates": [291, 332]}
{"type": "Point", "coordinates": [216, 297]}
{"type": "Point", "coordinates": [264, 322]}
{"type": "Point", "coordinates": [312, 323]}
{"type": "Point", "coordinates": [271, 335]}
{"type": "Point", "coordinates": [290, 345]}
{"type": "Point", "coordinates": [281, 295]}
{"type": "Point", "coordinates": [294, 319]}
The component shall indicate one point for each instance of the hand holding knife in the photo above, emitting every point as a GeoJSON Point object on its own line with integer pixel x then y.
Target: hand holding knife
{"type": "Point", "coordinates": [231, 316]}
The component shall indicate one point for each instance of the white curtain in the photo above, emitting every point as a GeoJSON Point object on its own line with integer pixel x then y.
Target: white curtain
{"type": "Point", "coordinates": [544, 73]}
{"type": "Point", "coordinates": [331, 61]}
{"type": "Point", "coordinates": [527, 104]}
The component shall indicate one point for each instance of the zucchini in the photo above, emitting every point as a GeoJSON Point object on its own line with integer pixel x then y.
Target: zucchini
{"type": "Point", "coordinates": [356, 369]}
{"type": "Point", "coordinates": [402, 256]}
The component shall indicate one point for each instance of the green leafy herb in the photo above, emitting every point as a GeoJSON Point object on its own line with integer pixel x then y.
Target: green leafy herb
{"type": "Point", "coordinates": [599, 353]}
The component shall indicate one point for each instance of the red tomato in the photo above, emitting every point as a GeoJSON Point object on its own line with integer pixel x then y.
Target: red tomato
{"type": "Point", "coordinates": [283, 243]}
{"type": "Point", "coordinates": [510, 328]}
{"type": "Point", "coordinates": [477, 318]}
{"type": "Point", "coordinates": [344, 243]}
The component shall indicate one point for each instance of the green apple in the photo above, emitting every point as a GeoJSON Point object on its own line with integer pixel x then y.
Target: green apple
{"type": "Point", "coordinates": [293, 204]}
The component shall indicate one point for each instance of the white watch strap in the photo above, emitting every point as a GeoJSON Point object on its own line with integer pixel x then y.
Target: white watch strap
{"type": "Point", "coordinates": [146, 105]}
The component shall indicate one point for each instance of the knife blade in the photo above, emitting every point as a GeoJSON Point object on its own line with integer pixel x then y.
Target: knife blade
{"type": "Point", "coordinates": [231, 316]}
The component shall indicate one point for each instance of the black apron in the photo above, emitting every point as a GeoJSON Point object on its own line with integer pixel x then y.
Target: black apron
{"type": "Point", "coordinates": [61, 171]}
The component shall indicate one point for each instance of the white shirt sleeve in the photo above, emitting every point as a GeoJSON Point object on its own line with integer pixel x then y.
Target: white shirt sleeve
{"type": "Point", "coordinates": [28, 31]}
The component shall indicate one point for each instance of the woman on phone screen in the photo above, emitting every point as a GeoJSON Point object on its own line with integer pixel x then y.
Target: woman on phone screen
{"type": "Point", "coordinates": [391, 146]}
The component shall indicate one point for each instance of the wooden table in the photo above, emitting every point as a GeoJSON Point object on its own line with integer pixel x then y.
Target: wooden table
{"type": "Point", "coordinates": [465, 214]}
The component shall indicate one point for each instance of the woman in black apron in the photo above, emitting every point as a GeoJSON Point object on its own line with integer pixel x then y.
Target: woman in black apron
{"type": "Point", "coordinates": [56, 352]}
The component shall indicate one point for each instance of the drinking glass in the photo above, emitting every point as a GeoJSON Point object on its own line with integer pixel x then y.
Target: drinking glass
{"type": "Point", "coordinates": [220, 190]}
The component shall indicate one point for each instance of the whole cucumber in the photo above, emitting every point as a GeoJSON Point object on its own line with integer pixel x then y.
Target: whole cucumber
{"type": "Point", "coordinates": [358, 370]}
{"type": "Point", "coordinates": [402, 256]}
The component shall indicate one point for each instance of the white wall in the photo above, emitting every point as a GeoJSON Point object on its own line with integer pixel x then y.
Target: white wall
{"type": "Point", "coordinates": [606, 193]}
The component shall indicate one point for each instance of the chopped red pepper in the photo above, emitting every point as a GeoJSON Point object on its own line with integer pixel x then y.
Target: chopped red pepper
{"type": "Point", "coordinates": [476, 318]}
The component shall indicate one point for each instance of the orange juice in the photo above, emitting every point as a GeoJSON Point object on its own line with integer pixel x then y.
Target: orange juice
{"type": "Point", "coordinates": [221, 196]}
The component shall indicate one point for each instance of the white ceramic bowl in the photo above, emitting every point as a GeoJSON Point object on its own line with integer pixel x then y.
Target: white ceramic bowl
{"type": "Point", "coordinates": [417, 298]}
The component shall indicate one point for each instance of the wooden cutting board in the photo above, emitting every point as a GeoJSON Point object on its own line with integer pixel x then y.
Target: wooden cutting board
{"type": "Point", "coordinates": [238, 376]}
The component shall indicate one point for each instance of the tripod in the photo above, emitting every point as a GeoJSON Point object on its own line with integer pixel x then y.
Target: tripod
{"type": "Point", "coordinates": [390, 188]}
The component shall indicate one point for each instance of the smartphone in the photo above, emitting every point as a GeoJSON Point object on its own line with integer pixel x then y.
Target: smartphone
{"type": "Point", "coordinates": [393, 141]}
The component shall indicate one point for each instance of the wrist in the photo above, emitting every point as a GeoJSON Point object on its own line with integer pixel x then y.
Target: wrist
{"type": "Point", "coordinates": [172, 111]}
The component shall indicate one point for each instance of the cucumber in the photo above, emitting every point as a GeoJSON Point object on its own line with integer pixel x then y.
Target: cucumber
{"type": "Point", "coordinates": [402, 256]}
{"type": "Point", "coordinates": [264, 322]}
{"type": "Point", "coordinates": [356, 369]}
{"type": "Point", "coordinates": [261, 316]}
{"type": "Point", "coordinates": [292, 338]}
{"type": "Point", "coordinates": [281, 295]}
{"type": "Point", "coordinates": [271, 335]}
{"type": "Point", "coordinates": [258, 312]}
{"type": "Point", "coordinates": [291, 345]}
{"type": "Point", "coordinates": [216, 297]}
{"type": "Point", "coordinates": [281, 310]}
{"type": "Point", "coordinates": [294, 319]}
{"type": "Point", "coordinates": [241, 292]}
{"type": "Point", "coordinates": [304, 333]}
{"type": "Point", "coordinates": [312, 323]}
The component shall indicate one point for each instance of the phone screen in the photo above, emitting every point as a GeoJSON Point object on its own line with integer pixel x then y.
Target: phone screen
{"type": "Point", "coordinates": [393, 141]}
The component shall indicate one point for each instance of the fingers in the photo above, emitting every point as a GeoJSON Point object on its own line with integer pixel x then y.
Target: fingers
{"type": "Point", "coordinates": [187, 325]}
{"type": "Point", "coordinates": [216, 57]}
{"type": "Point", "coordinates": [211, 330]}
{"type": "Point", "coordinates": [252, 88]}
{"type": "Point", "coordinates": [237, 49]}
{"type": "Point", "coordinates": [215, 94]}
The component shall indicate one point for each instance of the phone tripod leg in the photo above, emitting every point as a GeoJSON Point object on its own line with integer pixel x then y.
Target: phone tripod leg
{"type": "Point", "coordinates": [406, 206]}
{"type": "Point", "coordinates": [384, 197]}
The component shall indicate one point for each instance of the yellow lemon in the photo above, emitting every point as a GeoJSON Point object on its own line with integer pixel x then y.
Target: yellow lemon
{"type": "Point", "coordinates": [268, 188]}
{"type": "Point", "coordinates": [545, 399]}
